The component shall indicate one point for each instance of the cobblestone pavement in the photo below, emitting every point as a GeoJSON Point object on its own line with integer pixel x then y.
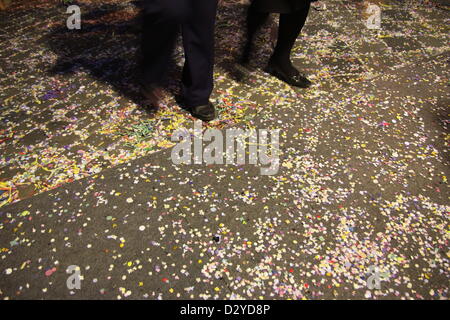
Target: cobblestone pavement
{"type": "Point", "coordinates": [86, 176]}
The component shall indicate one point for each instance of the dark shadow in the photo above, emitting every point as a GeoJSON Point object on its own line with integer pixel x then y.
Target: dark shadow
{"type": "Point", "coordinates": [106, 47]}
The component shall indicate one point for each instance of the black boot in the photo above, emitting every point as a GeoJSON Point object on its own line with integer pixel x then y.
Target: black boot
{"type": "Point", "coordinates": [295, 78]}
{"type": "Point", "coordinates": [280, 65]}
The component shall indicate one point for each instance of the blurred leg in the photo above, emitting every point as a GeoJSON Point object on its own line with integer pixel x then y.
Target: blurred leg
{"type": "Point", "coordinates": [162, 21]}
{"type": "Point", "coordinates": [255, 19]}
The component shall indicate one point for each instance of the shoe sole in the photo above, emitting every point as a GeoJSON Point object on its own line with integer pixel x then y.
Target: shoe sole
{"type": "Point", "coordinates": [206, 119]}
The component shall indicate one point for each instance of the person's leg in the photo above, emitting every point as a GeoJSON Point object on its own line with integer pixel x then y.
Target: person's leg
{"type": "Point", "coordinates": [162, 20]}
{"type": "Point", "coordinates": [255, 19]}
{"type": "Point", "coordinates": [198, 41]}
{"type": "Point", "coordinates": [289, 29]}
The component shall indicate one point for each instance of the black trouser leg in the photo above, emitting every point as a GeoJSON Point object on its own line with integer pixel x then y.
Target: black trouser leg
{"type": "Point", "coordinates": [162, 21]}
{"type": "Point", "coordinates": [289, 29]}
{"type": "Point", "coordinates": [198, 42]}
{"type": "Point", "coordinates": [255, 19]}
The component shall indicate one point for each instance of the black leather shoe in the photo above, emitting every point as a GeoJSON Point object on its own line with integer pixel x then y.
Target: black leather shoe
{"type": "Point", "coordinates": [205, 112]}
{"type": "Point", "coordinates": [297, 80]}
